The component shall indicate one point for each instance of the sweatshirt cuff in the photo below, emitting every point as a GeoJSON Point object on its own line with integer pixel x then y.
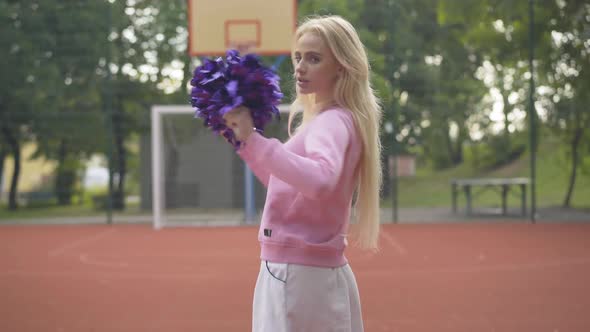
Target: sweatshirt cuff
{"type": "Point", "coordinates": [250, 150]}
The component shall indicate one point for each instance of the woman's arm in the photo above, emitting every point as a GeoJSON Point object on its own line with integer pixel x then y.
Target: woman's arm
{"type": "Point", "coordinates": [314, 175]}
{"type": "Point", "coordinates": [262, 173]}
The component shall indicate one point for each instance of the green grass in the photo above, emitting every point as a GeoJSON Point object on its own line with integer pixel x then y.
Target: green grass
{"type": "Point", "coordinates": [48, 211]}
{"type": "Point", "coordinates": [85, 210]}
{"type": "Point", "coordinates": [427, 189]}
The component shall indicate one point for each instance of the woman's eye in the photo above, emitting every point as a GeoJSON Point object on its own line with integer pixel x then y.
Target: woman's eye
{"type": "Point", "coordinates": [314, 59]}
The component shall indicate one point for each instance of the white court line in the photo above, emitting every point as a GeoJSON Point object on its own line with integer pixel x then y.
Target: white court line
{"type": "Point", "coordinates": [67, 246]}
{"type": "Point", "coordinates": [84, 258]}
{"type": "Point", "coordinates": [394, 243]}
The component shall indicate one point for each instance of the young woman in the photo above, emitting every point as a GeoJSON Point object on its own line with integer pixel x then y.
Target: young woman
{"type": "Point", "coordinates": [305, 282]}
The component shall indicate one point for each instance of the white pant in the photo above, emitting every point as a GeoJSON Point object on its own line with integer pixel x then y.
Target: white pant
{"type": "Point", "coordinates": [298, 298]}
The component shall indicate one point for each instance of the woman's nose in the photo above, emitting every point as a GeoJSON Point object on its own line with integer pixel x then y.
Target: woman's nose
{"type": "Point", "coordinates": [300, 68]}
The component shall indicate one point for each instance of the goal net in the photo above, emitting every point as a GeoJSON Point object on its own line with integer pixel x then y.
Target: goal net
{"type": "Point", "coordinates": [197, 178]}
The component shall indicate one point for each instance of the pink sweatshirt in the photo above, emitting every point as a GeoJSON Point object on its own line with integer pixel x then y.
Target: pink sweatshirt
{"type": "Point", "coordinates": [310, 179]}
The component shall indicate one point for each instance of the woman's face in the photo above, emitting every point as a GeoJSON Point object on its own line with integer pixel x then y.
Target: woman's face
{"type": "Point", "coordinates": [316, 68]}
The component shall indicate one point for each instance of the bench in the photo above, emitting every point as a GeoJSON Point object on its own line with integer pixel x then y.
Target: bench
{"type": "Point", "coordinates": [504, 184]}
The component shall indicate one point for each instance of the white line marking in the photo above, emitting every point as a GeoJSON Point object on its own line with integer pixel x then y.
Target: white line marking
{"type": "Point", "coordinates": [84, 258]}
{"type": "Point", "coordinates": [394, 243]}
{"type": "Point", "coordinates": [67, 246]}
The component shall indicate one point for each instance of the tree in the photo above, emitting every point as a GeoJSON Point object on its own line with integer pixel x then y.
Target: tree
{"type": "Point", "coordinates": [499, 29]}
{"type": "Point", "coordinates": [496, 32]}
{"type": "Point", "coordinates": [21, 72]}
{"type": "Point", "coordinates": [69, 110]}
{"type": "Point", "coordinates": [566, 72]}
{"type": "Point", "coordinates": [48, 85]}
{"type": "Point", "coordinates": [147, 37]}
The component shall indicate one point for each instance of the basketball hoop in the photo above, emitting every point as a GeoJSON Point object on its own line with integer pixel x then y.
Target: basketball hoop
{"type": "Point", "coordinates": [254, 26]}
{"type": "Point", "coordinates": [243, 47]}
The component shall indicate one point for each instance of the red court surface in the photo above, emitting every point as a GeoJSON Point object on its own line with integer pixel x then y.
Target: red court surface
{"type": "Point", "coordinates": [461, 277]}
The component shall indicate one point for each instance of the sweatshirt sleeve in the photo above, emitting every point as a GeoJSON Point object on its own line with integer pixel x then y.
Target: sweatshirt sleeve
{"type": "Point", "coordinates": [261, 172]}
{"type": "Point", "coordinates": [317, 173]}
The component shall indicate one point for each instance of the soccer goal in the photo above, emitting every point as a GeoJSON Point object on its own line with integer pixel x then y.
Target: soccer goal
{"type": "Point", "coordinates": [197, 178]}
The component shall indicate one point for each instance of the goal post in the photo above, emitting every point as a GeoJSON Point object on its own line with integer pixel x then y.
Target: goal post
{"type": "Point", "coordinates": [197, 178]}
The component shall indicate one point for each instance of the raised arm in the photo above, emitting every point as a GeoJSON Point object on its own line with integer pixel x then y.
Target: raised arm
{"type": "Point", "coordinates": [315, 174]}
{"type": "Point", "coordinates": [262, 173]}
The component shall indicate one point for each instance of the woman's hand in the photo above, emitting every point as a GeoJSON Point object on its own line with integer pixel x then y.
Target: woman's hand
{"type": "Point", "coordinates": [240, 121]}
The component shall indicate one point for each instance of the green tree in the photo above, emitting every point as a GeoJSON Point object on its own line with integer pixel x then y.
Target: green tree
{"type": "Point", "coordinates": [22, 75]}
{"type": "Point", "coordinates": [496, 31]}
{"type": "Point", "coordinates": [69, 114]}
{"type": "Point", "coordinates": [148, 39]}
{"type": "Point", "coordinates": [565, 69]}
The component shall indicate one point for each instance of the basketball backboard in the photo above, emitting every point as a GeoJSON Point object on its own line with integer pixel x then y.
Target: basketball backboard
{"type": "Point", "coordinates": [264, 27]}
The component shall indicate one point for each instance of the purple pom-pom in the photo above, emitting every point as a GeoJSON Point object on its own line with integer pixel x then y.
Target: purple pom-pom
{"type": "Point", "coordinates": [220, 86]}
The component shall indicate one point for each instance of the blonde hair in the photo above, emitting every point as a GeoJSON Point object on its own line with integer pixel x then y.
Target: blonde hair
{"type": "Point", "coordinates": [353, 92]}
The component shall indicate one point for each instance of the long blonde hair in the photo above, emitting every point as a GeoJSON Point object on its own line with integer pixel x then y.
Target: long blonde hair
{"type": "Point", "coordinates": [353, 92]}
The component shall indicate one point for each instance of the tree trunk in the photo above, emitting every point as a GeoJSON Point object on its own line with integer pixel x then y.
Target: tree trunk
{"type": "Point", "coordinates": [457, 156]}
{"type": "Point", "coordinates": [187, 72]}
{"type": "Point", "coordinates": [506, 111]}
{"type": "Point", "coordinates": [15, 148]}
{"type": "Point", "coordinates": [459, 147]}
{"type": "Point", "coordinates": [119, 129]}
{"type": "Point", "coordinates": [449, 144]}
{"type": "Point", "coordinates": [59, 178]}
{"type": "Point", "coordinates": [2, 158]}
{"type": "Point", "coordinates": [12, 202]}
{"type": "Point", "coordinates": [120, 159]}
{"type": "Point", "coordinates": [119, 192]}
{"type": "Point", "coordinates": [387, 178]}
{"type": "Point", "coordinates": [505, 153]}
{"type": "Point", "coordinates": [574, 144]}
{"type": "Point", "coordinates": [66, 176]}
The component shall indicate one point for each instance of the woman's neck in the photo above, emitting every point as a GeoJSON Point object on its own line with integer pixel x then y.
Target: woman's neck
{"type": "Point", "coordinates": [321, 104]}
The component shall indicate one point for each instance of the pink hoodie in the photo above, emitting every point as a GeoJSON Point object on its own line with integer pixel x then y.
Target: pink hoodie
{"type": "Point", "coordinates": [310, 180]}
